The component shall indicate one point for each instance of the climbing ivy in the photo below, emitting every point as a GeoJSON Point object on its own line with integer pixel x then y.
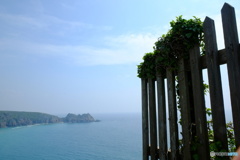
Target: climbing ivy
{"type": "Point", "coordinates": [147, 69]}
{"type": "Point", "coordinates": [182, 36]}
{"type": "Point", "coordinates": [216, 146]}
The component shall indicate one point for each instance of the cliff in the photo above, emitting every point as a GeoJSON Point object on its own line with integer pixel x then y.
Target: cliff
{"type": "Point", "coordinates": [15, 118]}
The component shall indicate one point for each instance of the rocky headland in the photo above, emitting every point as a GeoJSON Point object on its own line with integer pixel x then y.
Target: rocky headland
{"type": "Point", "coordinates": [16, 118]}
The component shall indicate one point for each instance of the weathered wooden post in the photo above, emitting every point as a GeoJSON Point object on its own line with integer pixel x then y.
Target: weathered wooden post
{"type": "Point", "coordinates": [172, 115]}
{"type": "Point", "coordinates": [153, 124]}
{"type": "Point", "coordinates": [215, 84]}
{"type": "Point", "coordinates": [233, 64]}
{"type": "Point", "coordinates": [145, 128]}
{"type": "Point", "coordinates": [185, 104]}
{"type": "Point", "coordinates": [147, 73]}
{"type": "Point", "coordinates": [162, 124]}
{"type": "Point", "coordinates": [199, 103]}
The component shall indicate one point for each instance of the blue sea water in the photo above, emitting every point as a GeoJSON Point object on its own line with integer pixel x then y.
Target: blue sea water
{"type": "Point", "coordinates": [116, 137]}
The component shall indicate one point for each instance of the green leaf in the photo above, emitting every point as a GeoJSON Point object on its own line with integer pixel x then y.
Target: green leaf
{"type": "Point", "coordinates": [188, 35]}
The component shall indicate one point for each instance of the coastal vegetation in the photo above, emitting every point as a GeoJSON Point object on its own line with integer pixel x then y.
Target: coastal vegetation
{"type": "Point", "coordinates": [16, 118]}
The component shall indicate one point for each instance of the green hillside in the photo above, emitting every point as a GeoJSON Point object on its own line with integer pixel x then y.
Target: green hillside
{"type": "Point", "coordinates": [15, 118]}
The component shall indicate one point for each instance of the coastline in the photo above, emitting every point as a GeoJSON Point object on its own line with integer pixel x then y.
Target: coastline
{"type": "Point", "coordinates": [18, 119]}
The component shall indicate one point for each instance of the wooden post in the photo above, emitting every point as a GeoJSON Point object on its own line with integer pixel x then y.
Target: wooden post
{"type": "Point", "coordinates": [172, 115]}
{"type": "Point", "coordinates": [215, 84]}
{"type": "Point", "coordinates": [199, 103]}
{"type": "Point", "coordinates": [233, 64]}
{"type": "Point", "coordinates": [185, 104]}
{"type": "Point", "coordinates": [153, 125]}
{"type": "Point", "coordinates": [162, 125]}
{"type": "Point", "coordinates": [145, 134]}
{"type": "Point", "coordinates": [185, 109]}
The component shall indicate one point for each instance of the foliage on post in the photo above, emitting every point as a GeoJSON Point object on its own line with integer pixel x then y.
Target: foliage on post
{"type": "Point", "coordinates": [146, 69]}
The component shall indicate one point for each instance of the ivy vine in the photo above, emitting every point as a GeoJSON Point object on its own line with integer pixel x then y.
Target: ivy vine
{"type": "Point", "coordinates": [182, 36]}
{"type": "Point", "coordinates": [170, 47]}
{"type": "Point", "coordinates": [147, 69]}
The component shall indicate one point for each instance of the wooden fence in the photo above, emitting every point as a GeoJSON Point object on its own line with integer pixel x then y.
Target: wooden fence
{"type": "Point", "coordinates": [192, 102]}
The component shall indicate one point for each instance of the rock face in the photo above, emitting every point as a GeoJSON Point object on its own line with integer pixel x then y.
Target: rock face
{"type": "Point", "coordinates": [73, 118]}
{"type": "Point", "coordinates": [14, 118]}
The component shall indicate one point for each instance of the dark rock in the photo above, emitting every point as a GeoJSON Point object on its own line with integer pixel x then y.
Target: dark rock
{"type": "Point", "coordinates": [73, 118]}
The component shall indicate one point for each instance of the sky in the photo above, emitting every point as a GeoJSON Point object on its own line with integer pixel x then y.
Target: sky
{"type": "Point", "coordinates": [78, 56]}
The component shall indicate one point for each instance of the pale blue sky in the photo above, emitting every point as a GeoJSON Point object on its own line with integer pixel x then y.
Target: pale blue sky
{"type": "Point", "coordinates": [78, 56]}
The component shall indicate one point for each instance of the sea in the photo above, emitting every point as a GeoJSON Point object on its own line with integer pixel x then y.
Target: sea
{"type": "Point", "coordinates": [115, 137]}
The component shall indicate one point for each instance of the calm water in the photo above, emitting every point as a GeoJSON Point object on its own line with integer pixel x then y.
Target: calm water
{"type": "Point", "coordinates": [116, 137]}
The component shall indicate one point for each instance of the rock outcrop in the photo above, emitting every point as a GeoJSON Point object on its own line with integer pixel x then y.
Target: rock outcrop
{"type": "Point", "coordinates": [73, 118]}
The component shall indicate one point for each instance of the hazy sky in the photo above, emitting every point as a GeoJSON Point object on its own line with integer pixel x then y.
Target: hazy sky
{"type": "Point", "coordinates": [78, 56]}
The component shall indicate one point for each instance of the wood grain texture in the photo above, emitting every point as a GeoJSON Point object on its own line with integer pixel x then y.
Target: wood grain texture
{"type": "Point", "coordinates": [162, 124]}
{"type": "Point", "coordinates": [233, 63]}
{"type": "Point", "coordinates": [172, 115]}
{"type": "Point", "coordinates": [145, 128]}
{"type": "Point", "coordinates": [215, 84]}
{"type": "Point", "coordinates": [153, 121]}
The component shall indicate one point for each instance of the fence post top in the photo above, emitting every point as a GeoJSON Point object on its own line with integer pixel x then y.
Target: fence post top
{"type": "Point", "coordinates": [208, 21]}
{"type": "Point", "coordinates": [227, 7]}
